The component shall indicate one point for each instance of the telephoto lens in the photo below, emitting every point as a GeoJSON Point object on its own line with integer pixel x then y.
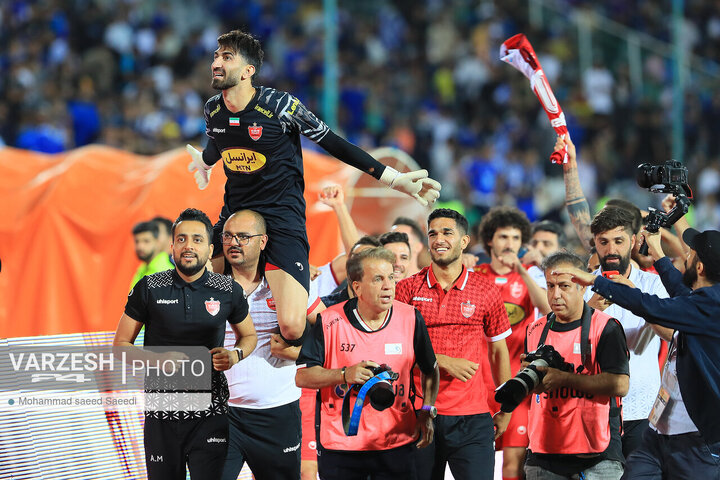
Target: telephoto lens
{"type": "Point", "coordinates": [511, 393]}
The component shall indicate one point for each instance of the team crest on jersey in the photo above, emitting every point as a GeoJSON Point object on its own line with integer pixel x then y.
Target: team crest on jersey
{"type": "Point", "coordinates": [271, 303]}
{"type": "Point", "coordinates": [212, 306]}
{"type": "Point", "coordinates": [255, 132]}
{"type": "Point", "coordinates": [516, 289]}
{"type": "Point", "coordinates": [467, 309]}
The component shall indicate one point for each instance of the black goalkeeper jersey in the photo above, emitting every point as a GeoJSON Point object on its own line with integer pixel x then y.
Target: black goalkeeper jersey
{"type": "Point", "coordinates": [261, 154]}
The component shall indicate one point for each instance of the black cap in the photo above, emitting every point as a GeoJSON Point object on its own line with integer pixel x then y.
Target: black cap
{"type": "Point", "coordinates": [707, 246]}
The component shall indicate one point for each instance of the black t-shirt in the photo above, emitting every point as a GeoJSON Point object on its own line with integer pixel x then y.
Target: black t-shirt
{"type": "Point", "coordinates": [177, 313]}
{"type": "Point", "coordinates": [312, 352]}
{"type": "Point", "coordinates": [261, 154]}
{"type": "Point", "coordinates": [613, 357]}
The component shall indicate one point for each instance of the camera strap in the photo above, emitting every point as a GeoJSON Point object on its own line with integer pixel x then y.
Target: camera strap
{"type": "Point", "coordinates": [352, 422]}
{"type": "Point", "coordinates": [585, 322]}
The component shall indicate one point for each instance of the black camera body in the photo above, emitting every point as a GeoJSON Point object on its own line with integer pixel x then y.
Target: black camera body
{"type": "Point", "coordinates": [668, 174]}
{"type": "Point", "coordinates": [670, 177]}
{"type": "Point", "coordinates": [511, 393]}
{"type": "Point", "coordinates": [381, 394]}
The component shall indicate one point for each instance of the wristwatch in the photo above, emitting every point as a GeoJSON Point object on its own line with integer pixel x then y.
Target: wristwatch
{"type": "Point", "coordinates": [239, 352]}
{"type": "Point", "coordinates": [431, 409]}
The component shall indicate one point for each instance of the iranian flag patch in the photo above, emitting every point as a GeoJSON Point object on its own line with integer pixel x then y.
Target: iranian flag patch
{"type": "Point", "coordinates": [234, 121]}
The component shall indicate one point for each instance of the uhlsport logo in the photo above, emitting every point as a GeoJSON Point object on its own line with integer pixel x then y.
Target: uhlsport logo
{"type": "Point", "coordinates": [243, 160]}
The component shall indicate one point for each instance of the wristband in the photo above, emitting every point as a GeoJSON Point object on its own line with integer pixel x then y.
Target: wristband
{"type": "Point", "coordinates": [239, 352]}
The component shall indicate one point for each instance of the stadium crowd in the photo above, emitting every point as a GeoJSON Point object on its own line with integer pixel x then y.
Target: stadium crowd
{"type": "Point", "coordinates": [132, 75]}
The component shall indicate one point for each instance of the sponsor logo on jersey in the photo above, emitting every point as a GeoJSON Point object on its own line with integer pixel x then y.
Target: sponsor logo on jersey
{"type": "Point", "coordinates": [217, 109]}
{"type": "Point", "coordinates": [162, 301]}
{"type": "Point", "coordinates": [293, 107]}
{"type": "Point", "coordinates": [271, 303]}
{"type": "Point", "coordinates": [255, 132]}
{"type": "Point", "coordinates": [467, 309]}
{"type": "Point", "coordinates": [243, 160]}
{"type": "Point", "coordinates": [216, 440]}
{"type": "Point", "coordinates": [212, 306]}
{"type": "Point", "coordinates": [393, 349]}
{"type": "Point", "coordinates": [422, 299]}
{"type": "Point", "coordinates": [264, 111]}
{"type": "Point", "coordinates": [218, 130]}
{"type": "Point", "coordinates": [515, 313]}
{"type": "Point", "coordinates": [234, 121]}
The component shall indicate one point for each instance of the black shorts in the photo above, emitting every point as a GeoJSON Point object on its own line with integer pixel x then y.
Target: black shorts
{"type": "Point", "coordinates": [268, 439]}
{"type": "Point", "coordinates": [393, 464]}
{"type": "Point", "coordinates": [199, 443]}
{"type": "Point", "coordinates": [286, 250]}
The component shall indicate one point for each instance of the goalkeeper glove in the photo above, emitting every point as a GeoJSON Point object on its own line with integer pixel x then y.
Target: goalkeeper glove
{"type": "Point", "coordinates": [201, 169]}
{"type": "Point", "coordinates": [417, 184]}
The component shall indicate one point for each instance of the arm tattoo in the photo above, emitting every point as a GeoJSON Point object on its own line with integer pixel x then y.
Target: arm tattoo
{"type": "Point", "coordinates": [577, 206]}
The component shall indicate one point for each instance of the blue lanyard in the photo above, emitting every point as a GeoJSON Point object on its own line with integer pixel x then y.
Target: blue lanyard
{"type": "Point", "coordinates": [351, 426]}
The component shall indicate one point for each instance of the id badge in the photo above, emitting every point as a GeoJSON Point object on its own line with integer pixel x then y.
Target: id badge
{"type": "Point", "coordinates": [661, 403]}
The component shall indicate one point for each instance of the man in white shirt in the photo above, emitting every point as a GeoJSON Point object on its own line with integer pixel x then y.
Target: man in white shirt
{"type": "Point", "coordinates": [613, 233]}
{"type": "Point", "coordinates": [264, 411]}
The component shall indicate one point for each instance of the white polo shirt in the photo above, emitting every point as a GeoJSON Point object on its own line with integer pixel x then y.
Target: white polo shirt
{"type": "Point", "coordinates": [261, 380]}
{"type": "Point", "coordinates": [644, 346]}
{"type": "Point", "coordinates": [326, 281]}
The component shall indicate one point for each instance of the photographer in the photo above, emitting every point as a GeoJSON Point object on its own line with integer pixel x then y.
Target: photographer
{"type": "Point", "coordinates": [574, 418]}
{"type": "Point", "coordinates": [684, 438]}
{"type": "Point", "coordinates": [343, 352]}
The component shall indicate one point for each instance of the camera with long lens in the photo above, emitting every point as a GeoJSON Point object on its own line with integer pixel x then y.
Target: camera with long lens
{"type": "Point", "coordinates": [511, 393]}
{"type": "Point", "coordinates": [670, 177]}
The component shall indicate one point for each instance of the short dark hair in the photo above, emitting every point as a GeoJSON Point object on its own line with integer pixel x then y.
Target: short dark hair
{"type": "Point", "coordinates": [610, 218]}
{"type": "Point", "coordinates": [371, 240]}
{"type": "Point", "coordinates": [195, 215]}
{"type": "Point", "coordinates": [630, 207]}
{"type": "Point", "coordinates": [414, 226]}
{"type": "Point", "coordinates": [562, 257]}
{"type": "Point", "coordinates": [502, 217]}
{"type": "Point", "coordinates": [394, 237]}
{"type": "Point", "coordinates": [459, 218]}
{"type": "Point", "coordinates": [148, 226]}
{"type": "Point", "coordinates": [552, 227]}
{"type": "Point", "coordinates": [246, 45]}
{"type": "Point", "coordinates": [166, 223]}
{"type": "Point", "coordinates": [354, 265]}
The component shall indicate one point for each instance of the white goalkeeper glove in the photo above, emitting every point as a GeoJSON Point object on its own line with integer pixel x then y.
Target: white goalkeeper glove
{"type": "Point", "coordinates": [417, 184]}
{"type": "Point", "coordinates": [201, 169]}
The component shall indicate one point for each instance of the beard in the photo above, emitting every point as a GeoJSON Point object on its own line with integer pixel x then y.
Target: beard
{"type": "Point", "coordinates": [144, 257]}
{"type": "Point", "coordinates": [623, 264]}
{"type": "Point", "coordinates": [445, 261]}
{"type": "Point", "coordinates": [690, 276]}
{"type": "Point", "coordinates": [228, 81]}
{"type": "Point", "coordinates": [190, 270]}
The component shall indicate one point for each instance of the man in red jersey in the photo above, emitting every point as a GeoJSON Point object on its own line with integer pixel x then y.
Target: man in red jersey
{"type": "Point", "coordinates": [503, 231]}
{"type": "Point", "coordinates": [460, 308]}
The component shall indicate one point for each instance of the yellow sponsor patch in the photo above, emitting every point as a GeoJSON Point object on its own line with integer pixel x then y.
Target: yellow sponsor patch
{"type": "Point", "coordinates": [516, 313]}
{"type": "Point", "coordinates": [217, 109]}
{"type": "Point", "coordinates": [243, 160]}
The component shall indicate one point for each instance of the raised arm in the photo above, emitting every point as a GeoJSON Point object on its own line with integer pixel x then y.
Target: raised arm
{"type": "Point", "coordinates": [577, 206]}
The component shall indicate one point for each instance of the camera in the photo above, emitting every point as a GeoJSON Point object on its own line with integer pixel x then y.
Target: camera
{"type": "Point", "coordinates": [671, 177]}
{"type": "Point", "coordinates": [381, 394]}
{"type": "Point", "coordinates": [670, 173]}
{"type": "Point", "coordinates": [511, 393]}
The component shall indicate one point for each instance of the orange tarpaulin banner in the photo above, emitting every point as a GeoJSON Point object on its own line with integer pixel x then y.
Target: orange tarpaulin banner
{"type": "Point", "coordinates": [65, 221]}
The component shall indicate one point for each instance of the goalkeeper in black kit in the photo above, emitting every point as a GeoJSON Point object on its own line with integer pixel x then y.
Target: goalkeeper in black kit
{"type": "Point", "coordinates": [255, 131]}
